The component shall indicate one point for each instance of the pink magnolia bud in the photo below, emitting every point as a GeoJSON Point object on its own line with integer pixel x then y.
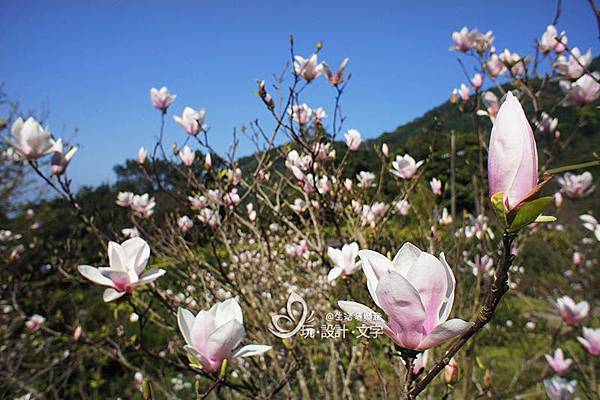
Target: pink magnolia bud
{"type": "Point", "coordinates": [513, 159]}
{"type": "Point", "coordinates": [207, 161]}
{"type": "Point", "coordinates": [451, 372]}
{"type": "Point", "coordinates": [385, 149]}
{"type": "Point", "coordinates": [477, 81]}
{"type": "Point", "coordinates": [142, 153]}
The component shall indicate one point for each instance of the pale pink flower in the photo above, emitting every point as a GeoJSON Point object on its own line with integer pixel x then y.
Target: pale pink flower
{"type": "Point", "coordinates": [445, 218]}
{"type": "Point", "coordinates": [299, 205]}
{"type": "Point", "coordinates": [463, 40]}
{"type": "Point", "coordinates": [451, 372]}
{"type": "Point", "coordinates": [436, 186]}
{"type": "Point", "coordinates": [464, 92]}
{"type": "Point", "coordinates": [130, 232]}
{"type": "Point", "coordinates": [307, 68]}
{"type": "Point", "coordinates": [558, 388]}
{"type": "Point", "coordinates": [124, 199]}
{"type": "Point", "coordinates": [513, 158]}
{"type": "Point", "coordinates": [477, 81]}
{"type": "Point", "coordinates": [192, 121]}
{"type": "Point", "coordinates": [29, 139]}
{"type": "Point", "coordinates": [127, 262]}
{"type": "Point", "coordinates": [482, 265]}
{"type": "Point", "coordinates": [494, 66]}
{"type": "Point", "coordinates": [207, 161]}
{"type": "Point", "coordinates": [212, 336]}
{"type": "Point", "coordinates": [490, 102]}
{"type": "Point", "coordinates": [348, 184]}
{"type": "Point", "coordinates": [366, 179]}
{"type": "Point", "coordinates": [576, 186]}
{"type": "Point", "coordinates": [385, 150]}
{"type": "Point", "coordinates": [338, 77]}
{"type": "Point", "coordinates": [298, 250]}
{"type": "Point", "coordinates": [185, 223]}
{"type": "Point", "coordinates": [353, 139]}
{"type": "Point", "coordinates": [197, 202]}
{"type": "Point", "coordinates": [547, 124]}
{"type": "Point", "coordinates": [161, 98]}
{"type": "Point", "coordinates": [590, 223]}
{"type": "Point", "coordinates": [209, 216]}
{"type": "Point", "coordinates": [514, 62]}
{"type": "Point", "coordinates": [591, 340]}
{"type": "Point", "coordinates": [344, 261]}
{"type": "Point", "coordinates": [402, 206]}
{"type": "Point", "coordinates": [35, 322]}
{"type": "Point", "coordinates": [483, 41]}
{"type": "Point", "coordinates": [143, 205]}
{"type": "Point", "coordinates": [570, 312]}
{"type": "Point", "coordinates": [558, 199]}
{"type": "Point", "coordinates": [301, 113]}
{"type": "Point", "coordinates": [405, 166]}
{"type": "Point", "coordinates": [187, 156]}
{"type": "Point", "coordinates": [324, 184]}
{"type": "Point", "coordinates": [574, 66]}
{"type": "Point", "coordinates": [416, 291]}
{"type": "Point", "coordinates": [60, 160]}
{"type": "Point", "coordinates": [549, 43]}
{"type": "Point", "coordinates": [142, 154]}
{"type": "Point", "coordinates": [232, 198]}
{"type": "Point", "coordinates": [581, 92]}
{"type": "Point", "coordinates": [558, 363]}
{"type": "Point", "coordinates": [251, 212]}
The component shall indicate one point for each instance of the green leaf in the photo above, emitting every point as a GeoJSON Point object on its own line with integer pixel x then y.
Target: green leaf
{"type": "Point", "coordinates": [499, 208]}
{"type": "Point", "coordinates": [545, 218]}
{"type": "Point", "coordinates": [529, 213]}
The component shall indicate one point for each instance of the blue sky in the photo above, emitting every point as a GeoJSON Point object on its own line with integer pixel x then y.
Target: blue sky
{"type": "Point", "coordinates": [92, 63]}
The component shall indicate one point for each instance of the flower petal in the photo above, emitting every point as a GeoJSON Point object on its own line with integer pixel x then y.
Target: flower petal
{"type": "Point", "coordinates": [151, 275]}
{"type": "Point", "coordinates": [374, 265]}
{"type": "Point", "coordinates": [405, 258]}
{"type": "Point", "coordinates": [333, 274]}
{"type": "Point", "coordinates": [111, 294]}
{"type": "Point", "coordinates": [94, 275]}
{"type": "Point", "coordinates": [137, 253]}
{"type": "Point", "coordinates": [185, 321]}
{"type": "Point", "coordinates": [251, 350]}
{"type": "Point", "coordinates": [224, 339]}
{"type": "Point", "coordinates": [446, 331]}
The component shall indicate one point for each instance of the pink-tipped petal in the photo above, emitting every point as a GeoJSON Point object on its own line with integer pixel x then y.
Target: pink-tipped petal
{"type": "Point", "coordinates": [446, 331]}
{"type": "Point", "coordinates": [94, 275]}
{"type": "Point", "coordinates": [375, 266]}
{"type": "Point", "coordinates": [251, 350]}
{"type": "Point", "coordinates": [111, 294]}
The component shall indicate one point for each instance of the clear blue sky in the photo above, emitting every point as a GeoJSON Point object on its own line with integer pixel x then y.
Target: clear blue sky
{"type": "Point", "coordinates": [92, 63]}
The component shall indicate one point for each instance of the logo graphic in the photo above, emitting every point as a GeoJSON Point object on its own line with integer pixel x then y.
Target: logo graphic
{"type": "Point", "coordinates": [290, 319]}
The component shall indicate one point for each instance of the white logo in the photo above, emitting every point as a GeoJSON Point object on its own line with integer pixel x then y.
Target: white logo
{"type": "Point", "coordinates": [284, 333]}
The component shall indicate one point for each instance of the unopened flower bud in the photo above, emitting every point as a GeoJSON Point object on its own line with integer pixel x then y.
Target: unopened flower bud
{"type": "Point", "coordinates": [451, 372]}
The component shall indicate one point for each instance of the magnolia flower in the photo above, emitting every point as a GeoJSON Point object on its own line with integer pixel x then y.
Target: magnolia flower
{"type": "Point", "coordinates": [574, 66]}
{"type": "Point", "coordinates": [482, 265]}
{"type": "Point", "coordinates": [308, 68]}
{"type": "Point", "coordinates": [454, 96]}
{"type": "Point", "coordinates": [514, 62]}
{"type": "Point", "coordinates": [207, 161]}
{"type": "Point", "coordinates": [161, 99]}
{"type": "Point", "coordinates": [477, 81]}
{"type": "Point", "coordinates": [463, 40]}
{"type": "Point", "coordinates": [35, 322]}
{"type": "Point", "coordinates": [353, 139]}
{"type": "Point", "coordinates": [60, 161]}
{"type": "Point", "coordinates": [405, 166]}
{"type": "Point", "coordinates": [124, 199]}
{"type": "Point", "coordinates": [559, 388]}
{"type": "Point", "coordinates": [197, 202]}
{"type": "Point", "coordinates": [576, 186]}
{"type": "Point", "coordinates": [29, 139]}
{"type": "Point", "coordinates": [436, 186]}
{"type": "Point", "coordinates": [570, 312]}
{"type": "Point", "coordinates": [445, 218]}
{"type": "Point", "coordinates": [402, 206]}
{"type": "Point", "coordinates": [416, 291]}
{"type": "Point", "coordinates": [324, 185]}
{"type": "Point", "coordinates": [513, 159]}
{"type": "Point", "coordinates": [143, 205]}
{"type": "Point", "coordinates": [192, 121]}
{"type": "Point", "coordinates": [590, 223]}
{"type": "Point", "coordinates": [483, 41]}
{"type": "Point", "coordinates": [300, 113]}
{"type": "Point", "coordinates": [251, 212]}
{"type": "Point", "coordinates": [338, 77]}
{"type": "Point", "coordinates": [490, 102]}
{"type": "Point", "coordinates": [464, 92]}
{"type": "Point", "coordinates": [127, 262]}
{"type": "Point", "coordinates": [210, 217]}
{"type": "Point", "coordinates": [142, 154]}
{"type": "Point", "coordinates": [558, 363]}
{"type": "Point", "coordinates": [299, 205]}
{"type": "Point", "coordinates": [549, 43]}
{"type": "Point", "coordinates": [299, 249]}
{"type": "Point", "coordinates": [231, 198]}
{"type": "Point", "coordinates": [581, 92]}
{"type": "Point", "coordinates": [385, 150]}
{"type": "Point", "coordinates": [187, 156]}
{"type": "Point", "coordinates": [211, 336]}
{"type": "Point", "coordinates": [591, 340]}
{"type": "Point", "coordinates": [494, 66]}
{"type": "Point", "coordinates": [366, 179]}
{"type": "Point", "coordinates": [547, 124]}
{"type": "Point", "coordinates": [185, 223]}
{"type": "Point", "coordinates": [451, 372]}
{"type": "Point", "coordinates": [344, 261]}
{"type": "Point", "coordinates": [130, 232]}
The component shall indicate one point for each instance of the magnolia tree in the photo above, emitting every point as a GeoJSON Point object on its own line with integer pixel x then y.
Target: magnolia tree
{"type": "Point", "coordinates": [301, 272]}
